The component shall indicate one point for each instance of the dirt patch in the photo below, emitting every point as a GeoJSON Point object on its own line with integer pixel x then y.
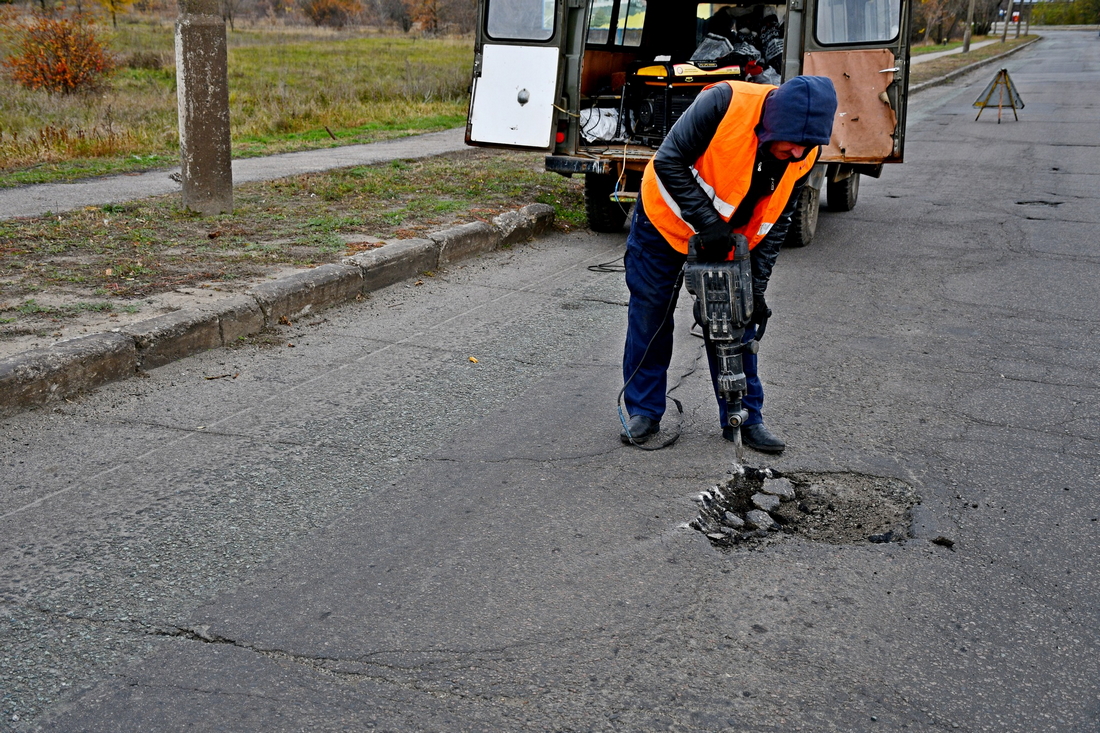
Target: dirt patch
{"type": "Point", "coordinates": [56, 315]}
{"type": "Point", "coordinates": [762, 505]}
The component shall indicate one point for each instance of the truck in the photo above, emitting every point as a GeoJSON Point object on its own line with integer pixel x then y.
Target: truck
{"type": "Point", "coordinates": [597, 84]}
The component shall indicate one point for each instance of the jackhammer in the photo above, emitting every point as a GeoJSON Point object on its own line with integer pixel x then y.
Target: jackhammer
{"type": "Point", "coordinates": [723, 309]}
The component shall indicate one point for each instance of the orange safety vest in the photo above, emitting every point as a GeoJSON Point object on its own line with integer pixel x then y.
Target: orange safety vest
{"type": "Point", "coordinates": [724, 172]}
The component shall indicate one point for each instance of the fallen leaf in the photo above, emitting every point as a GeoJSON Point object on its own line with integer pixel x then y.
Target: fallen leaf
{"type": "Point", "coordinates": [354, 247]}
{"type": "Point", "coordinates": [214, 234]}
{"type": "Point", "coordinates": [291, 346]}
{"type": "Point", "coordinates": [108, 272]}
{"type": "Point", "coordinates": [284, 320]}
{"type": "Point", "coordinates": [418, 282]}
{"type": "Point", "coordinates": [474, 360]}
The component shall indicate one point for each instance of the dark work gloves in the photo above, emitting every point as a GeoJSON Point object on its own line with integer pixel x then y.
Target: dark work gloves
{"type": "Point", "coordinates": [760, 310]}
{"type": "Point", "coordinates": [714, 243]}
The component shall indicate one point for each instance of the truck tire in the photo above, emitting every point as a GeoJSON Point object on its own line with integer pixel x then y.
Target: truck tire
{"type": "Point", "coordinates": [604, 215]}
{"type": "Point", "coordinates": [843, 194]}
{"type": "Point", "coordinates": [804, 222]}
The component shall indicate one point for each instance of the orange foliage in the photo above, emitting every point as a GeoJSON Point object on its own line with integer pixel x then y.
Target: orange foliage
{"type": "Point", "coordinates": [333, 13]}
{"type": "Point", "coordinates": [58, 55]}
{"type": "Point", "coordinates": [425, 14]}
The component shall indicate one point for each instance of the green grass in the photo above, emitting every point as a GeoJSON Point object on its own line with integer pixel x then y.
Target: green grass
{"type": "Point", "coordinates": [289, 90]}
{"type": "Point", "coordinates": [919, 50]}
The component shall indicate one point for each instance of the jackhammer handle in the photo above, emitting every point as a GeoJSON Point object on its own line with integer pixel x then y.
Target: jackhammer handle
{"type": "Point", "coordinates": [762, 325]}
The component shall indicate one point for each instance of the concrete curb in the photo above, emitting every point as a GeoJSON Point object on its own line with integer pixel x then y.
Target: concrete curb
{"type": "Point", "coordinates": [82, 364]}
{"type": "Point", "coordinates": [971, 67]}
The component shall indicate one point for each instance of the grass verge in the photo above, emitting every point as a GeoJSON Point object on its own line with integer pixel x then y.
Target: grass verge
{"type": "Point", "coordinates": [938, 67]}
{"type": "Point", "coordinates": [115, 258]}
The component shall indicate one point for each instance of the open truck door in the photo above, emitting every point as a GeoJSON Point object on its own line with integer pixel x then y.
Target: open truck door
{"type": "Point", "coordinates": [519, 61]}
{"type": "Point", "coordinates": [863, 46]}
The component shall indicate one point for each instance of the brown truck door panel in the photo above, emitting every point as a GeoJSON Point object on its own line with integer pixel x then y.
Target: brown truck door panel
{"type": "Point", "coordinates": [865, 124]}
{"type": "Point", "coordinates": [863, 46]}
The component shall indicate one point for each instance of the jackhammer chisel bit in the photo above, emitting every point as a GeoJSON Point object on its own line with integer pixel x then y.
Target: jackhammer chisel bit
{"type": "Point", "coordinates": [723, 309]}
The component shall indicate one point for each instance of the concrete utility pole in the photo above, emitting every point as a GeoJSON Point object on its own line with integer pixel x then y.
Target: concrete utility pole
{"type": "Point", "coordinates": [969, 27]}
{"type": "Point", "coordinates": [202, 96]}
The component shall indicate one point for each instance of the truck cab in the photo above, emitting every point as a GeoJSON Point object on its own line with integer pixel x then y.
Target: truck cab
{"type": "Point", "coordinates": [597, 84]}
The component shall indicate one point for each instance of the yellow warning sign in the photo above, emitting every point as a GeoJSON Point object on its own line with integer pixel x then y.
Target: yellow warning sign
{"type": "Point", "coordinates": [1006, 96]}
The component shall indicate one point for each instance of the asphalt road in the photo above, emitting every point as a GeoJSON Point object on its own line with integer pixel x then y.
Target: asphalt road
{"type": "Point", "coordinates": [371, 530]}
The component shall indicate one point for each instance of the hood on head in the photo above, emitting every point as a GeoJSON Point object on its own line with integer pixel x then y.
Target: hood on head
{"type": "Point", "coordinates": [800, 111]}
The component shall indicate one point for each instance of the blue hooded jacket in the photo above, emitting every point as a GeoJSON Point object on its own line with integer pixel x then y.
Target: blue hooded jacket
{"type": "Point", "coordinates": [800, 111]}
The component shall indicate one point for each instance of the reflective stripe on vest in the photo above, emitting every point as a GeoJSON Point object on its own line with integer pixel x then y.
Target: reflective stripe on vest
{"type": "Point", "coordinates": [724, 173]}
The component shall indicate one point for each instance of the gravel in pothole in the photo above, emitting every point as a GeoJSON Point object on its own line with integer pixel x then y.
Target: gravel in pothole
{"type": "Point", "coordinates": [757, 505]}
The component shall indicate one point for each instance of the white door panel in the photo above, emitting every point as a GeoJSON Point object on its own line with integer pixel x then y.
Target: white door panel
{"type": "Point", "coordinates": [513, 99]}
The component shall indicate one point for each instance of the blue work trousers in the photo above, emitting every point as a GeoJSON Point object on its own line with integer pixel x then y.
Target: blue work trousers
{"type": "Point", "coordinates": [653, 278]}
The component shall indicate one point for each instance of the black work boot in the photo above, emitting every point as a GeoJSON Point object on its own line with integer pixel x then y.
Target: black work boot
{"type": "Point", "coordinates": [760, 438]}
{"type": "Point", "coordinates": [640, 429]}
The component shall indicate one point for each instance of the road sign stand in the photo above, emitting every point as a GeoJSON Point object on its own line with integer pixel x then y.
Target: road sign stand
{"type": "Point", "coordinates": [1004, 87]}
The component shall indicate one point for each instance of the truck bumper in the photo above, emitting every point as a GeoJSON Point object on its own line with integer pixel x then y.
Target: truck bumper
{"type": "Point", "coordinates": [568, 165]}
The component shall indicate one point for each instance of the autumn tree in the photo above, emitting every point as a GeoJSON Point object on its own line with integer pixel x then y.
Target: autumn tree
{"type": "Point", "coordinates": [433, 16]}
{"type": "Point", "coordinates": [58, 55]}
{"type": "Point", "coordinates": [114, 7]}
{"type": "Point", "coordinates": [332, 13]}
{"type": "Point", "coordinates": [425, 14]}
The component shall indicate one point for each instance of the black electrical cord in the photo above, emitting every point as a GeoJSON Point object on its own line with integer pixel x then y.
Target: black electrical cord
{"type": "Point", "coordinates": [609, 266]}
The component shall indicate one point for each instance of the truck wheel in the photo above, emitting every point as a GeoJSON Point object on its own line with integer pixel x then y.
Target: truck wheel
{"type": "Point", "coordinates": [604, 215]}
{"type": "Point", "coordinates": [843, 194]}
{"type": "Point", "coordinates": [804, 221]}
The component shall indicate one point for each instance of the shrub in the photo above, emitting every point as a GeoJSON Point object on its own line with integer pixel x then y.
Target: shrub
{"type": "Point", "coordinates": [333, 13]}
{"type": "Point", "coordinates": [58, 55]}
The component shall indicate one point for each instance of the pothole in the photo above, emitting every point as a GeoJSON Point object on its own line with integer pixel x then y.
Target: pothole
{"type": "Point", "coordinates": [841, 508]}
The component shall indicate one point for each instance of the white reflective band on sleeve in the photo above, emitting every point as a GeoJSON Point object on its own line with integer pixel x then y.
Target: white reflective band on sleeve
{"type": "Point", "coordinates": [764, 229]}
{"type": "Point", "coordinates": [671, 202]}
{"type": "Point", "coordinates": [724, 208]}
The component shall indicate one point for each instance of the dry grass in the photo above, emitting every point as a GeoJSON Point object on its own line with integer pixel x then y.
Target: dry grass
{"type": "Point", "coordinates": [290, 89]}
